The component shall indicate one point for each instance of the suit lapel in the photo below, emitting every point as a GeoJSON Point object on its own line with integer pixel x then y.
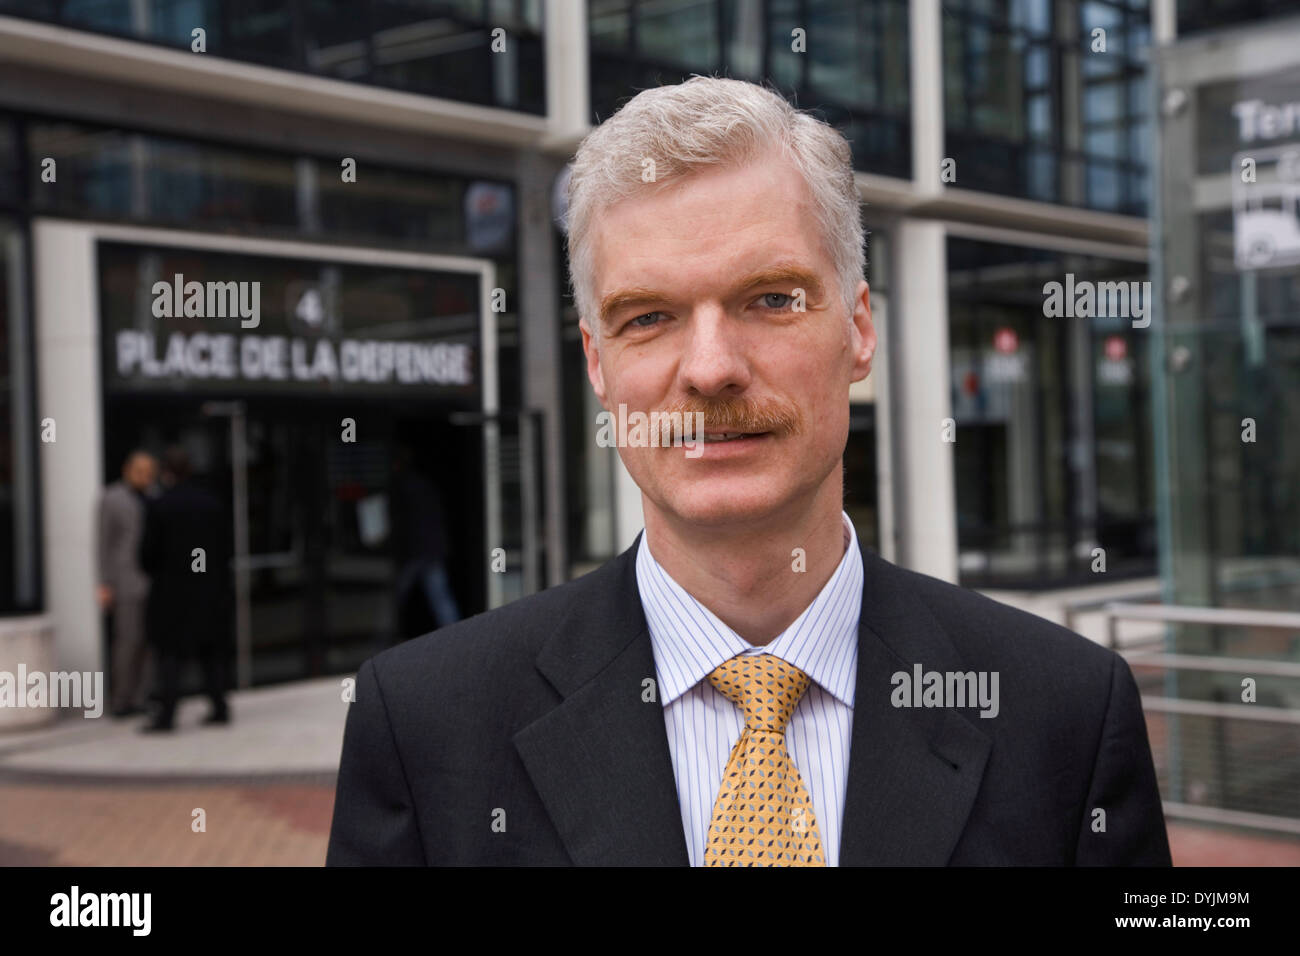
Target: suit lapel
{"type": "Point", "coordinates": [600, 760]}
{"type": "Point", "coordinates": [913, 772]}
{"type": "Point", "coordinates": [601, 764]}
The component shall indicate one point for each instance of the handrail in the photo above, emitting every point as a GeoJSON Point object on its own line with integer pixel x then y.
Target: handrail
{"type": "Point", "coordinates": [1256, 713]}
{"type": "Point", "coordinates": [1072, 609]}
{"type": "Point", "coordinates": [1217, 665]}
{"type": "Point", "coordinates": [1180, 614]}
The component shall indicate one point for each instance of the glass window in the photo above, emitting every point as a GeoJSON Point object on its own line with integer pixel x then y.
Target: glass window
{"type": "Point", "coordinates": [20, 543]}
{"type": "Point", "coordinates": [1103, 103]}
{"type": "Point", "coordinates": [1195, 16]}
{"type": "Point", "coordinates": [1038, 60]}
{"type": "Point", "coordinates": [744, 37]}
{"type": "Point", "coordinates": [610, 23]}
{"type": "Point", "coordinates": [679, 32]}
{"type": "Point", "coordinates": [784, 18]}
{"type": "Point", "coordinates": [1033, 16]}
{"type": "Point", "coordinates": [846, 49]}
{"type": "Point", "coordinates": [112, 173]}
{"type": "Point", "coordinates": [1104, 185]}
{"type": "Point", "coordinates": [1232, 397]}
{"type": "Point", "coordinates": [437, 47]}
{"type": "Point", "coordinates": [1039, 114]}
{"type": "Point", "coordinates": [1009, 71]}
{"type": "Point", "coordinates": [1104, 142]}
{"type": "Point", "coordinates": [852, 68]}
{"type": "Point", "coordinates": [1052, 457]}
{"type": "Point", "coordinates": [396, 204]}
{"type": "Point", "coordinates": [11, 187]}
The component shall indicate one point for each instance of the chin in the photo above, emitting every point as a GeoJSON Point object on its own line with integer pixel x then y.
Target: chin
{"type": "Point", "coordinates": [722, 505]}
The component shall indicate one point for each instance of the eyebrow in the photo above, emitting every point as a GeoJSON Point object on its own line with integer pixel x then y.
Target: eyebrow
{"type": "Point", "coordinates": [777, 275]}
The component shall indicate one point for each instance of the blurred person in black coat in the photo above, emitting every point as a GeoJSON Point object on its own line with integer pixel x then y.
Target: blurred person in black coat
{"type": "Point", "coordinates": [191, 600]}
{"type": "Point", "coordinates": [420, 544]}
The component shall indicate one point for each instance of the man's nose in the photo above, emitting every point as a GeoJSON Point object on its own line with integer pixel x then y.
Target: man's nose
{"type": "Point", "coordinates": [714, 357]}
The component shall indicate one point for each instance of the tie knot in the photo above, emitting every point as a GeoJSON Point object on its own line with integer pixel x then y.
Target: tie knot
{"type": "Point", "coordinates": [765, 688]}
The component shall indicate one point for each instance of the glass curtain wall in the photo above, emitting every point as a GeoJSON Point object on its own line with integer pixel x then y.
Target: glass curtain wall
{"type": "Point", "coordinates": [445, 48]}
{"type": "Point", "coordinates": [1053, 428]}
{"type": "Point", "coordinates": [845, 59]}
{"type": "Point", "coordinates": [1226, 367]}
{"type": "Point", "coordinates": [1047, 100]}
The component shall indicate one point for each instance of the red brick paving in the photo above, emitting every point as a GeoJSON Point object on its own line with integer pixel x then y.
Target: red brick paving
{"type": "Point", "coordinates": [1194, 845]}
{"type": "Point", "coordinates": [132, 824]}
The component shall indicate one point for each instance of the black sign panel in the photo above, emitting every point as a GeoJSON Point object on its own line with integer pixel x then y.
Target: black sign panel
{"type": "Point", "coordinates": [198, 321]}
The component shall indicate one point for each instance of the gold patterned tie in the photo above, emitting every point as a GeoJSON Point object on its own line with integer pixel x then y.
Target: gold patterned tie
{"type": "Point", "coordinates": [763, 815]}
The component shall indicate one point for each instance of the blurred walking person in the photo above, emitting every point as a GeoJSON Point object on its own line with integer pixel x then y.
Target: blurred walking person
{"type": "Point", "coordinates": [123, 589]}
{"type": "Point", "coordinates": [191, 600]}
{"type": "Point", "coordinates": [420, 543]}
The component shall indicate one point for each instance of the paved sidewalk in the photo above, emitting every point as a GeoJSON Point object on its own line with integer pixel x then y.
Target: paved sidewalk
{"type": "Point", "coordinates": [99, 793]}
{"type": "Point", "coordinates": [286, 729]}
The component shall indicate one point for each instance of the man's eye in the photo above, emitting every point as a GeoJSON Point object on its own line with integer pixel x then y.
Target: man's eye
{"type": "Point", "coordinates": [644, 325]}
{"type": "Point", "coordinates": [777, 295]}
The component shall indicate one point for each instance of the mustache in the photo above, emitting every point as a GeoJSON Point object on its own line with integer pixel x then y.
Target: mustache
{"type": "Point", "coordinates": [772, 414]}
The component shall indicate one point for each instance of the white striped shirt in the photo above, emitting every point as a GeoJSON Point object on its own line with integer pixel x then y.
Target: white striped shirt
{"type": "Point", "coordinates": [689, 641]}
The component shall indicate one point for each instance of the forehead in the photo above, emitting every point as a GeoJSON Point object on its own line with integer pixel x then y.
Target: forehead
{"type": "Point", "coordinates": [699, 232]}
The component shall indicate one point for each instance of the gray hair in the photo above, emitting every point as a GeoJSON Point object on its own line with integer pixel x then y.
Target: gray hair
{"type": "Point", "coordinates": [710, 122]}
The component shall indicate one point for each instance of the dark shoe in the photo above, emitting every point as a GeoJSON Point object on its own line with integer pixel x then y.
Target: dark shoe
{"type": "Point", "coordinates": [157, 727]}
{"type": "Point", "coordinates": [217, 717]}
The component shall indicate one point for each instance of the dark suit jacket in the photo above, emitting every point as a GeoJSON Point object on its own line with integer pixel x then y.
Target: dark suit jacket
{"type": "Point", "coordinates": [188, 609]}
{"type": "Point", "coordinates": [521, 736]}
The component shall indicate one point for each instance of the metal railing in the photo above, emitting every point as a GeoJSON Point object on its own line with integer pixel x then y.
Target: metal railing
{"type": "Point", "coordinates": [1072, 609]}
{"type": "Point", "coordinates": [1260, 760]}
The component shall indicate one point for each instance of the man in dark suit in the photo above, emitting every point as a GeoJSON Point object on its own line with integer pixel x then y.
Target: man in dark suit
{"type": "Point", "coordinates": [746, 684]}
{"type": "Point", "coordinates": [191, 600]}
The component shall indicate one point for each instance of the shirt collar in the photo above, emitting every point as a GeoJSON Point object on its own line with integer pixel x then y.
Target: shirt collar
{"type": "Point", "coordinates": [689, 640]}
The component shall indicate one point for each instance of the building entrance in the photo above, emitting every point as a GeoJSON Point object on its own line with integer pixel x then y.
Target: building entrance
{"type": "Point", "coordinates": [339, 403]}
{"type": "Point", "coordinates": [339, 536]}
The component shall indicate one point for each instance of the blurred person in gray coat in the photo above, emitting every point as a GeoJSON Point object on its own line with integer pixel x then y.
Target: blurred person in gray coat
{"type": "Point", "coordinates": [123, 589]}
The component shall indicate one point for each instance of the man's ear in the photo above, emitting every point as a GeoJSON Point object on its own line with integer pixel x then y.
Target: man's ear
{"type": "Point", "coordinates": [863, 334]}
{"type": "Point", "coordinates": [594, 373]}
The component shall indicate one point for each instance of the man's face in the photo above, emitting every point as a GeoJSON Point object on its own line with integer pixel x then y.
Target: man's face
{"type": "Point", "coordinates": [140, 472]}
{"type": "Point", "coordinates": [690, 323]}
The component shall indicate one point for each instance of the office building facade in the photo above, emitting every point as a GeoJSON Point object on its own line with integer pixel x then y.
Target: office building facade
{"type": "Point", "coordinates": [392, 177]}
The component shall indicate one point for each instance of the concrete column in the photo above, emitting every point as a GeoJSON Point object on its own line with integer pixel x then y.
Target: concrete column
{"type": "Point", "coordinates": [925, 505]}
{"type": "Point", "coordinates": [927, 94]}
{"type": "Point", "coordinates": [1164, 22]}
{"type": "Point", "coordinates": [27, 642]}
{"type": "Point", "coordinates": [568, 94]}
{"type": "Point", "coordinates": [67, 360]}
{"type": "Point", "coordinates": [539, 342]}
